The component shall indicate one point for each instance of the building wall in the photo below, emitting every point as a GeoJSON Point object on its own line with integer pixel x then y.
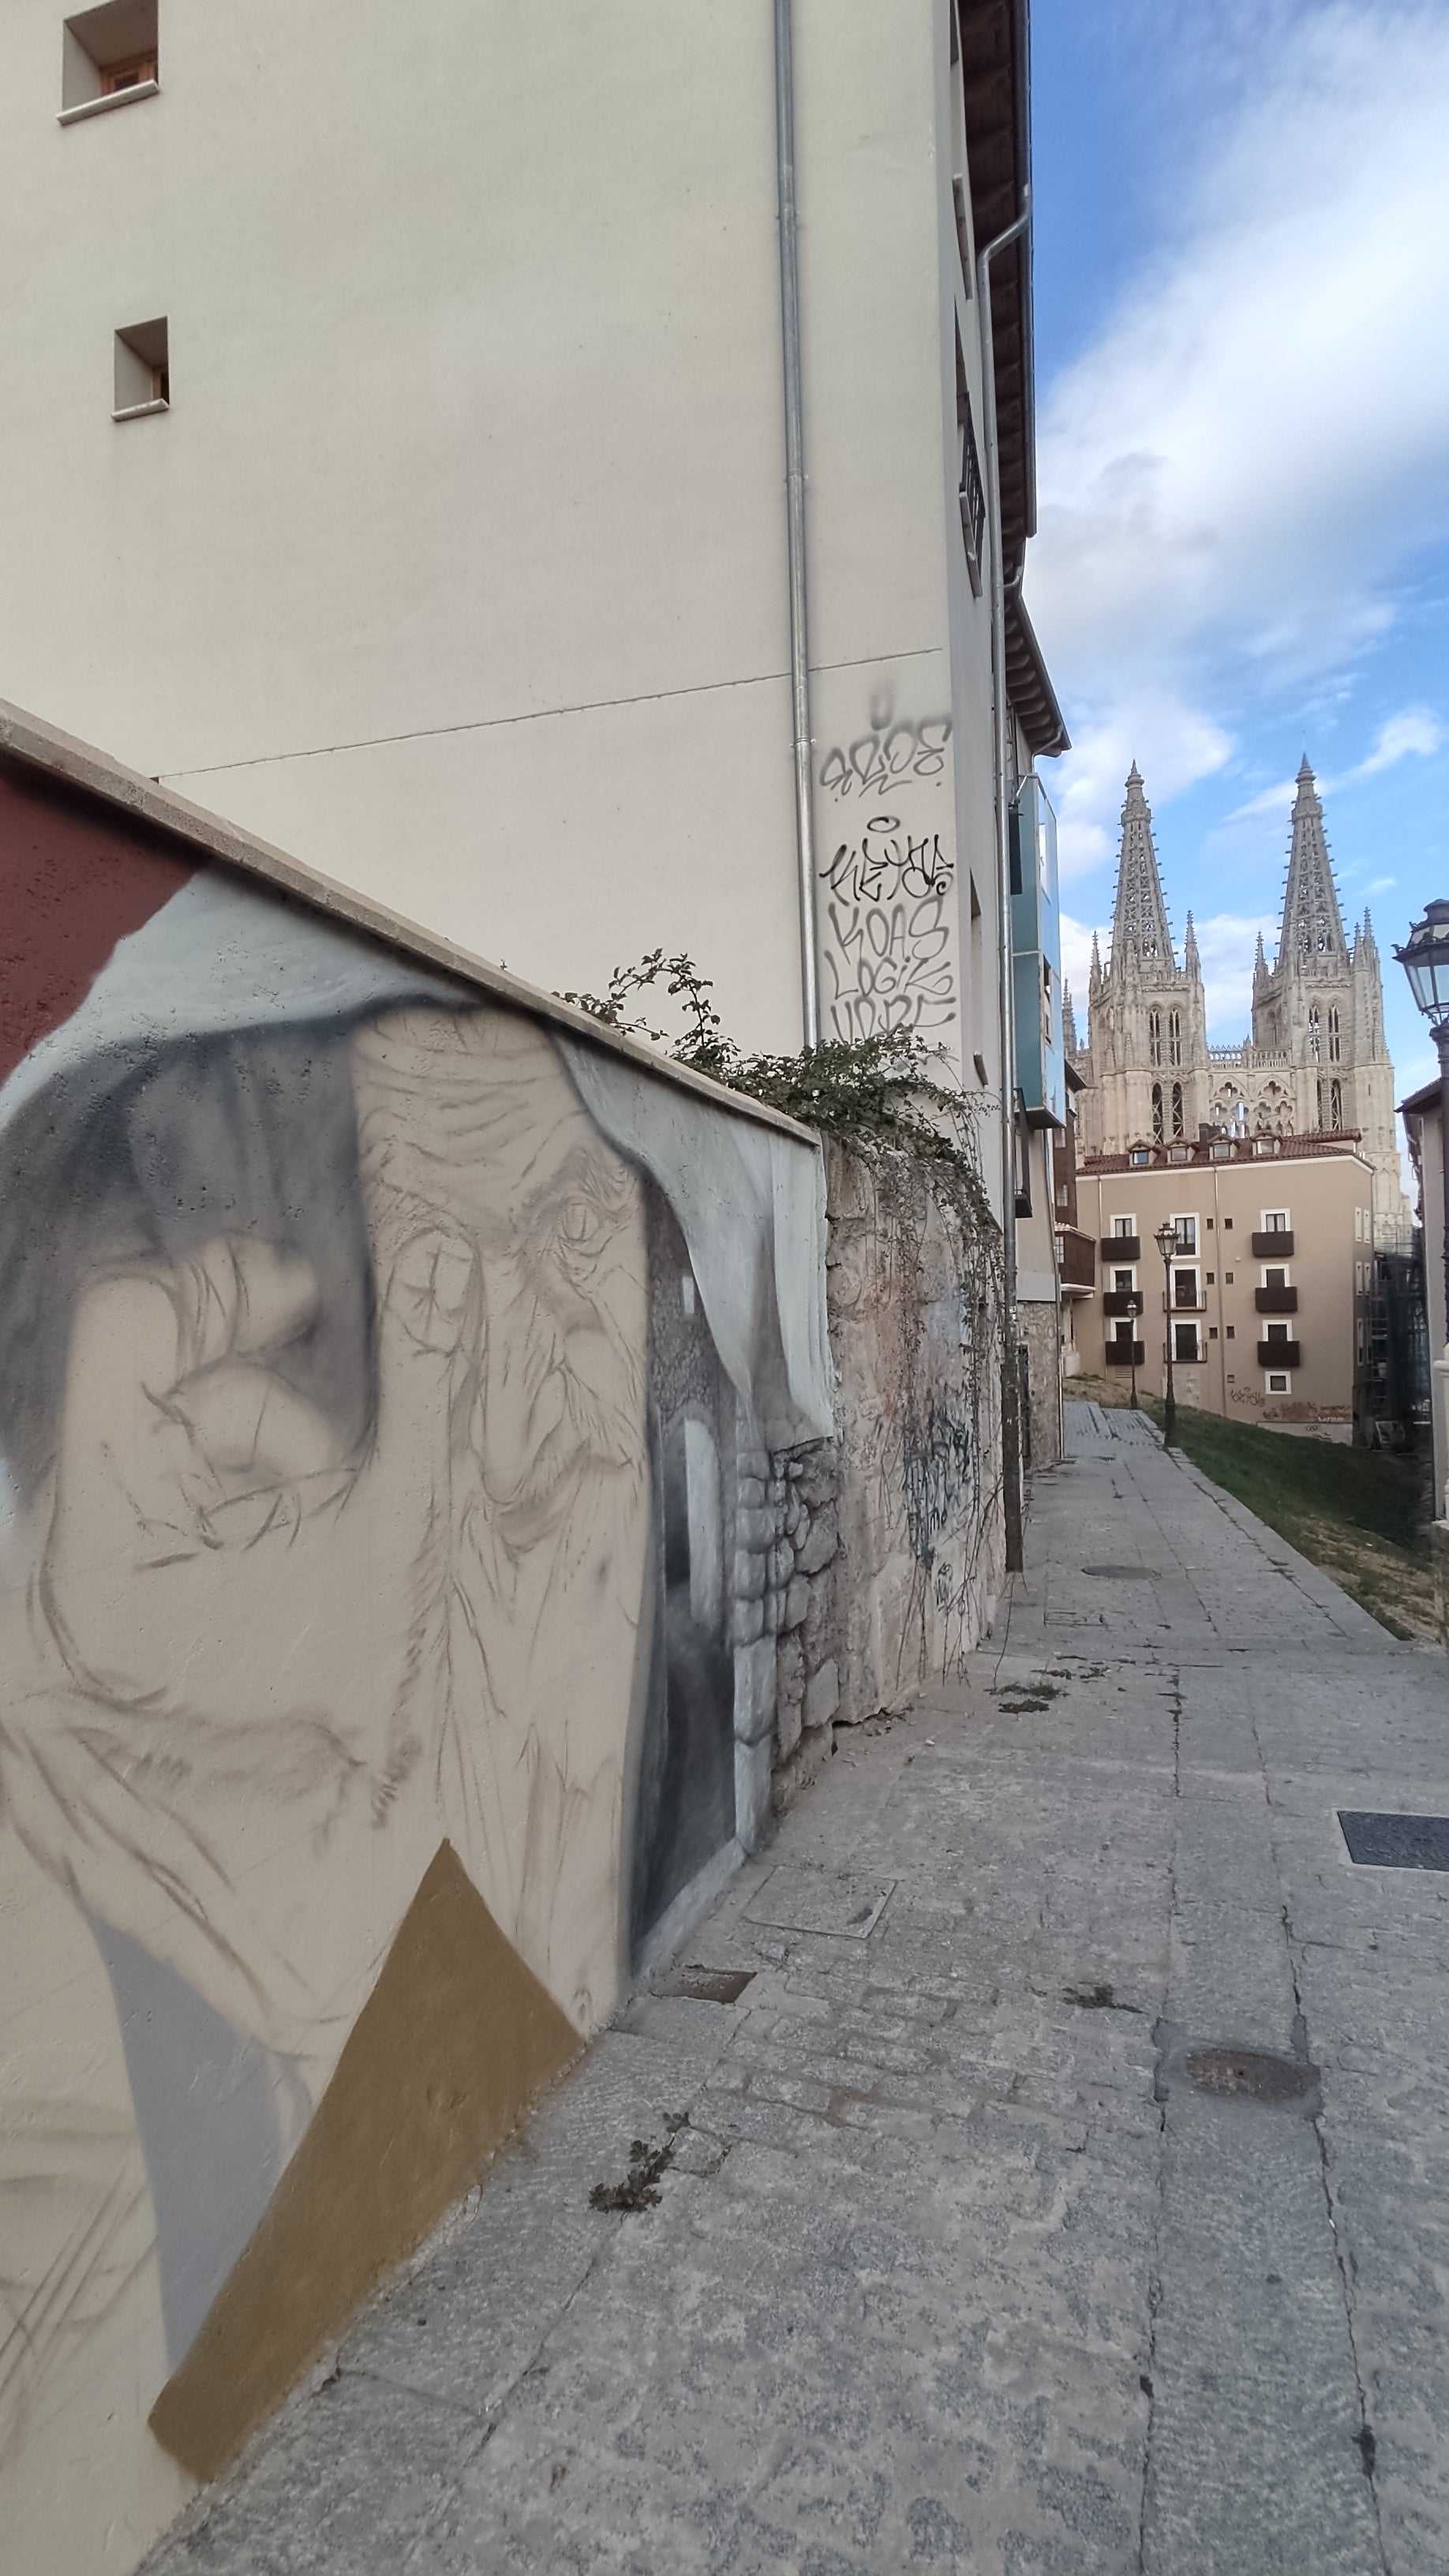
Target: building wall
{"type": "Point", "coordinates": [1329, 1203]}
{"type": "Point", "coordinates": [457, 565]}
{"type": "Point", "coordinates": [429, 1541]}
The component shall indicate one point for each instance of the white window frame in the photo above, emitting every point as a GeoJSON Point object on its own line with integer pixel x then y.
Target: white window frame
{"type": "Point", "coordinates": [1285, 1213]}
{"type": "Point", "coordinates": [1284, 1385]}
{"type": "Point", "coordinates": [1181, 1359]}
{"type": "Point", "coordinates": [1187, 1251]}
{"type": "Point", "coordinates": [1121, 1225]}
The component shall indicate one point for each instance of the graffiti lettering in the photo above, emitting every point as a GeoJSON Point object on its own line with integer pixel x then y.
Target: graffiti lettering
{"type": "Point", "coordinates": [889, 752]}
{"type": "Point", "coordinates": [937, 1472]}
{"type": "Point", "coordinates": [886, 861]}
{"type": "Point", "coordinates": [890, 968]}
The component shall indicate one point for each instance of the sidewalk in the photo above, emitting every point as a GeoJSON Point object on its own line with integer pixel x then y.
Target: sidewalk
{"type": "Point", "coordinates": [952, 2266]}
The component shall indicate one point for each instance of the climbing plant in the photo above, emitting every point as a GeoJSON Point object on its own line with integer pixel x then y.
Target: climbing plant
{"type": "Point", "coordinates": [884, 1090]}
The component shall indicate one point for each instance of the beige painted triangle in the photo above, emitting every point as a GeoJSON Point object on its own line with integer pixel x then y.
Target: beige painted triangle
{"type": "Point", "coordinates": [456, 2036]}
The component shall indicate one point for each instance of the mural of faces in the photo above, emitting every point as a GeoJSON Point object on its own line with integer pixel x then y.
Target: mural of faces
{"type": "Point", "coordinates": [340, 1469]}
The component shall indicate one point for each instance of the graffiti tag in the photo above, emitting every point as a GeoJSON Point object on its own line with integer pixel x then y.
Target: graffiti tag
{"type": "Point", "coordinates": [936, 1465]}
{"type": "Point", "coordinates": [889, 752]}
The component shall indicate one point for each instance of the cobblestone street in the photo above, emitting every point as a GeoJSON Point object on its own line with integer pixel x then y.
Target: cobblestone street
{"type": "Point", "coordinates": [954, 2262]}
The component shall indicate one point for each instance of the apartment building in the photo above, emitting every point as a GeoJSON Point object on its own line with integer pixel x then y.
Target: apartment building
{"type": "Point", "coordinates": [541, 468]}
{"type": "Point", "coordinates": [1267, 1291]}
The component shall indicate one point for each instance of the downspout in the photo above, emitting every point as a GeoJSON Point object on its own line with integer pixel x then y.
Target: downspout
{"type": "Point", "coordinates": [1011, 1377]}
{"type": "Point", "coordinates": [795, 516]}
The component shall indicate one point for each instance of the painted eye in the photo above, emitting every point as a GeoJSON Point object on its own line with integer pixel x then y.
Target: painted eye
{"type": "Point", "coordinates": [580, 1226]}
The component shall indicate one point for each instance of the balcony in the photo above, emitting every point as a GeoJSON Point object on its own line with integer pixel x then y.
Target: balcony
{"type": "Point", "coordinates": [1126, 1354]}
{"type": "Point", "coordinates": [1122, 1301]}
{"type": "Point", "coordinates": [1285, 1355]}
{"type": "Point", "coordinates": [1273, 1247]}
{"type": "Point", "coordinates": [1121, 1247]}
{"type": "Point", "coordinates": [1076, 1258]}
{"type": "Point", "coordinates": [1276, 1301]}
{"type": "Point", "coordinates": [1188, 1302]}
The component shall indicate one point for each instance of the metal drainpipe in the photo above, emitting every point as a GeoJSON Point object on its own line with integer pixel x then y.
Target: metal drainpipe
{"type": "Point", "coordinates": [1010, 1412]}
{"type": "Point", "coordinates": [795, 515]}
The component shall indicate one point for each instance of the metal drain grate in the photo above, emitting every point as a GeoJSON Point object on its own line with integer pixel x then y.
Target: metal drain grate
{"type": "Point", "coordinates": [1395, 1842]}
{"type": "Point", "coordinates": [707, 1985]}
{"type": "Point", "coordinates": [1248, 2075]}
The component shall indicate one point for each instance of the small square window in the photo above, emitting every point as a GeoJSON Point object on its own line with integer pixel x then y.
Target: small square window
{"type": "Point", "coordinates": [109, 55]}
{"type": "Point", "coordinates": [1230, 1332]}
{"type": "Point", "coordinates": [1227, 1225]}
{"type": "Point", "coordinates": [1212, 1332]}
{"type": "Point", "coordinates": [1212, 1278]}
{"type": "Point", "coordinates": [1277, 1382]}
{"type": "Point", "coordinates": [1227, 1278]}
{"type": "Point", "coordinates": [143, 370]}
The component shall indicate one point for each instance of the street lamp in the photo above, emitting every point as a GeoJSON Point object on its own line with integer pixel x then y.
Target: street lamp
{"type": "Point", "coordinates": [1166, 1241]}
{"type": "Point", "coordinates": [1424, 958]}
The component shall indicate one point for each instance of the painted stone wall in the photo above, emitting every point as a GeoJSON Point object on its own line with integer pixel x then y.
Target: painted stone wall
{"type": "Point", "coordinates": [392, 1390]}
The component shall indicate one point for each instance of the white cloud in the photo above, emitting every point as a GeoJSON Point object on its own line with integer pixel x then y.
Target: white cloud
{"type": "Point", "coordinates": [1417, 730]}
{"type": "Point", "coordinates": [1233, 472]}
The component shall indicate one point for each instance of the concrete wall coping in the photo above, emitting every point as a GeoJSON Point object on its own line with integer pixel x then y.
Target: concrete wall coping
{"type": "Point", "coordinates": [26, 738]}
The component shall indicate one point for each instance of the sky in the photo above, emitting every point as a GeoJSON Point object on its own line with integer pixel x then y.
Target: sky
{"type": "Point", "coordinates": [1242, 319]}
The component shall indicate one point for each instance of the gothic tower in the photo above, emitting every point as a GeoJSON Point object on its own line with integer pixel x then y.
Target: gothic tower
{"type": "Point", "coordinates": [1146, 1061]}
{"type": "Point", "coordinates": [1316, 1060]}
{"type": "Point", "coordinates": [1320, 1012]}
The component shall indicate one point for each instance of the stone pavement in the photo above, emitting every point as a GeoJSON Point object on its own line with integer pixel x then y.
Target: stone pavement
{"type": "Point", "coordinates": [952, 2266]}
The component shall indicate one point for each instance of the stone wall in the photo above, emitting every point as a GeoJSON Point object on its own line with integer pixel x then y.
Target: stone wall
{"type": "Point", "coordinates": [1039, 1329]}
{"type": "Point", "coordinates": [880, 1553]}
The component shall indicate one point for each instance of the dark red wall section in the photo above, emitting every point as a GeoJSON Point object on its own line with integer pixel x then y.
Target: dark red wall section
{"type": "Point", "coordinates": [75, 876]}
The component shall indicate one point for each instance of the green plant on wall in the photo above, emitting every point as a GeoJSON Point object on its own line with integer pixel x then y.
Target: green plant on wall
{"type": "Point", "coordinates": [884, 1090]}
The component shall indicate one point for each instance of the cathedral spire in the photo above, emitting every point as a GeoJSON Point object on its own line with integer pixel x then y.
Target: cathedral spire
{"type": "Point", "coordinates": [1191, 962]}
{"type": "Point", "coordinates": [1069, 1020]}
{"type": "Point", "coordinates": [1312, 926]}
{"type": "Point", "coordinates": [1139, 917]}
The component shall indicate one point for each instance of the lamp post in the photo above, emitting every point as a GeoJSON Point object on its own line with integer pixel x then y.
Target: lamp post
{"type": "Point", "coordinates": [1134, 1310]}
{"type": "Point", "coordinates": [1166, 1241]}
{"type": "Point", "coordinates": [1424, 958]}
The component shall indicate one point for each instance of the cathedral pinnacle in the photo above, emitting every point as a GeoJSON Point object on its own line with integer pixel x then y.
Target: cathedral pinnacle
{"type": "Point", "coordinates": [1139, 917]}
{"type": "Point", "coordinates": [1191, 963]}
{"type": "Point", "coordinates": [1312, 926]}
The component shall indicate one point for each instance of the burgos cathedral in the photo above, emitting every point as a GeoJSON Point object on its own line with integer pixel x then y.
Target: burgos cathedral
{"type": "Point", "coordinates": [1316, 1062]}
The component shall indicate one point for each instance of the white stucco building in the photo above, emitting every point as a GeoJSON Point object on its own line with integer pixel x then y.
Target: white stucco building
{"type": "Point", "coordinates": [394, 429]}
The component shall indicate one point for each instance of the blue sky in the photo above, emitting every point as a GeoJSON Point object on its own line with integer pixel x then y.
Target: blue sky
{"type": "Point", "coordinates": [1242, 297]}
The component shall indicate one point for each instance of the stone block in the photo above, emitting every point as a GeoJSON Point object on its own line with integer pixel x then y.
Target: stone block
{"type": "Point", "coordinates": [782, 1564]}
{"type": "Point", "coordinates": [821, 1543]}
{"type": "Point", "coordinates": [747, 1622]}
{"type": "Point", "coordinates": [819, 1615]}
{"type": "Point", "coordinates": [790, 1669]}
{"type": "Point", "coordinates": [822, 1695]}
{"type": "Point", "coordinates": [752, 1792]}
{"type": "Point", "coordinates": [754, 1690]}
{"type": "Point", "coordinates": [755, 1529]}
{"type": "Point", "coordinates": [795, 1518]}
{"type": "Point", "coordinates": [777, 1489]}
{"type": "Point", "coordinates": [749, 1576]}
{"type": "Point", "coordinates": [789, 1717]}
{"type": "Point", "coordinates": [796, 1602]}
{"type": "Point", "coordinates": [749, 1492]}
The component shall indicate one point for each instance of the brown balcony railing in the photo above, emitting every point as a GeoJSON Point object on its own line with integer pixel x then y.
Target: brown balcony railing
{"type": "Point", "coordinates": [1126, 1354]}
{"type": "Point", "coordinates": [1122, 1301]}
{"type": "Point", "coordinates": [1273, 1247]}
{"type": "Point", "coordinates": [1276, 1301]}
{"type": "Point", "coordinates": [1280, 1355]}
{"type": "Point", "coordinates": [1077, 1259]}
{"type": "Point", "coordinates": [1187, 1299]}
{"type": "Point", "coordinates": [1121, 1247]}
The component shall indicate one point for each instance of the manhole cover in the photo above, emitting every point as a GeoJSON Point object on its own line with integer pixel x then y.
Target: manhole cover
{"type": "Point", "coordinates": [1248, 2075]}
{"type": "Point", "coordinates": [1123, 1573]}
{"type": "Point", "coordinates": [708, 1985]}
{"type": "Point", "coordinates": [799, 1899]}
{"type": "Point", "coordinates": [1395, 1842]}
